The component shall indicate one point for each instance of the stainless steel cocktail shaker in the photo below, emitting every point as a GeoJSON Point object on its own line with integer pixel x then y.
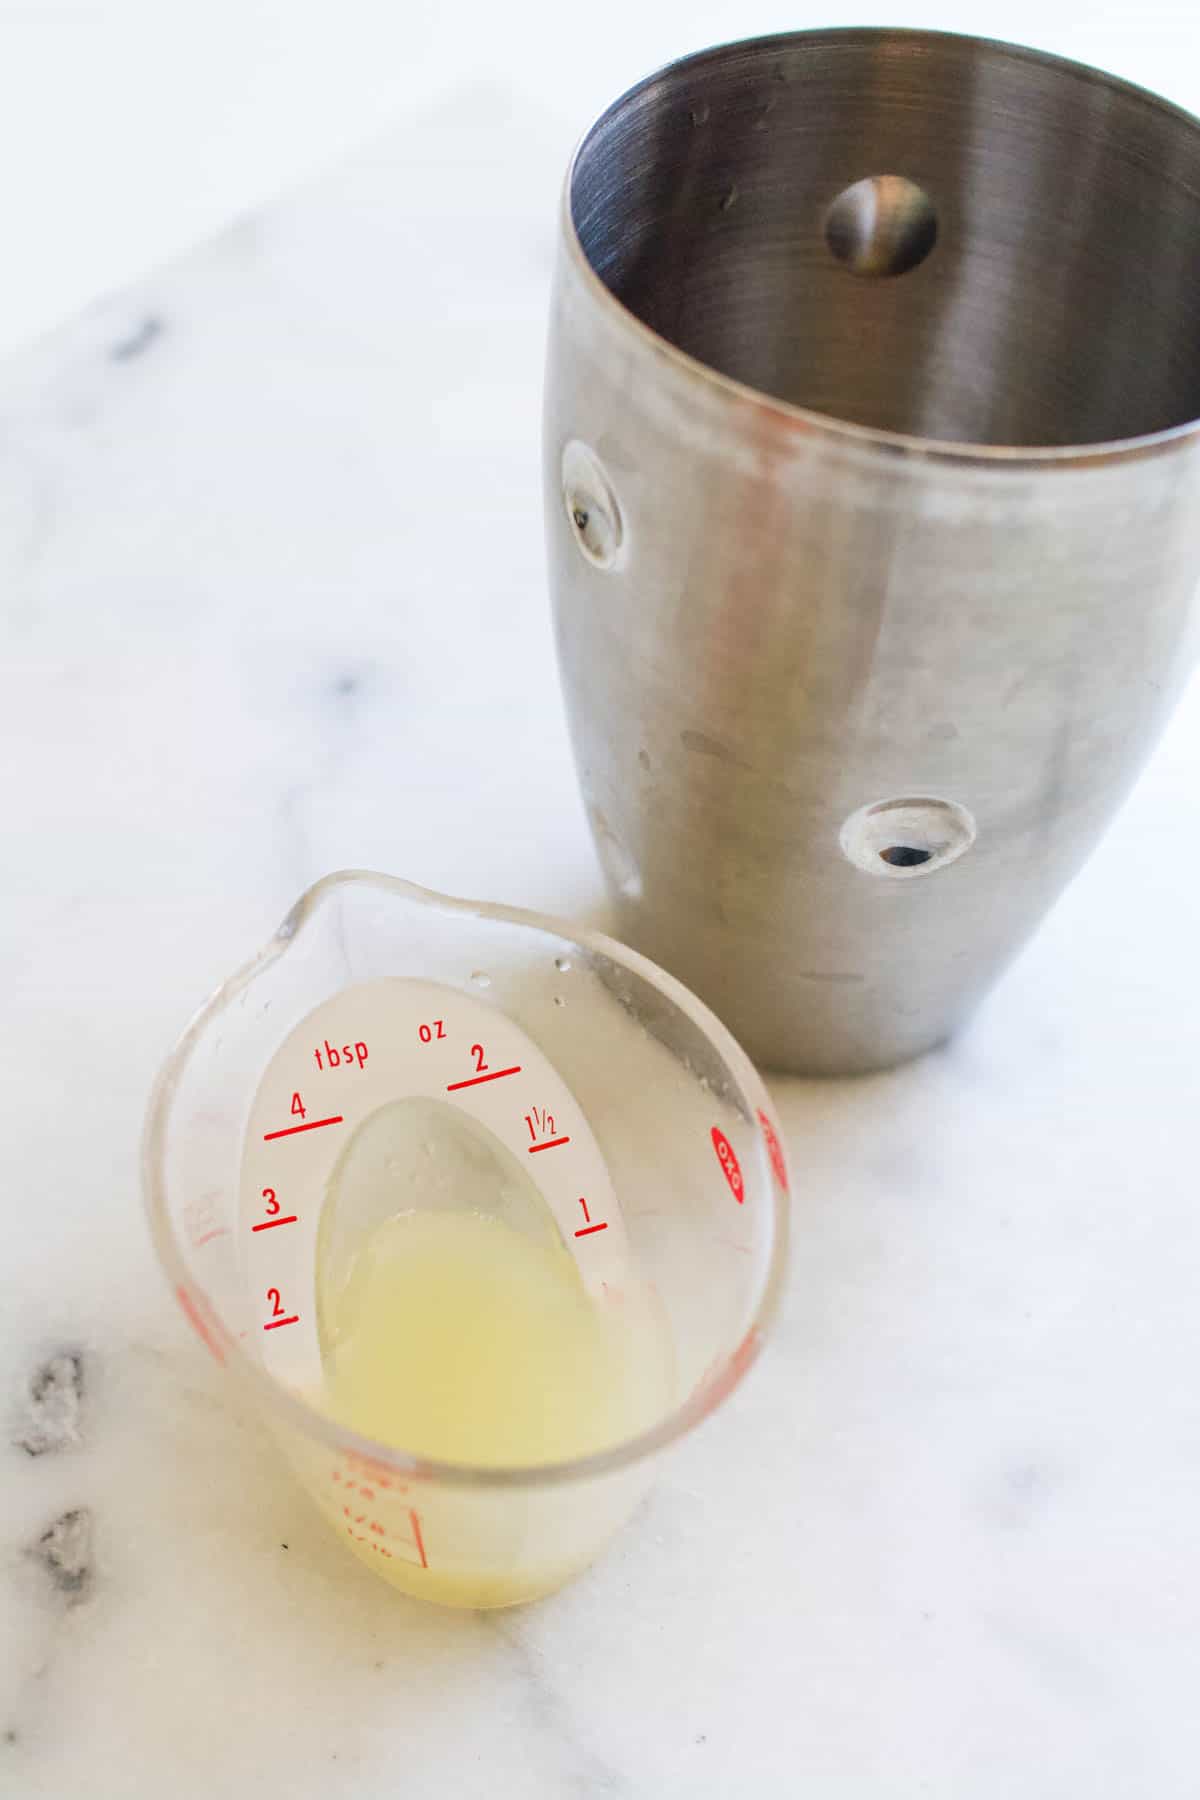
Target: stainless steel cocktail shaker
{"type": "Point", "coordinates": [873, 489]}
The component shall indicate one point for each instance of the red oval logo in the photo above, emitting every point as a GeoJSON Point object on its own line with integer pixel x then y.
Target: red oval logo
{"type": "Point", "coordinates": [774, 1151]}
{"type": "Point", "coordinates": [729, 1163]}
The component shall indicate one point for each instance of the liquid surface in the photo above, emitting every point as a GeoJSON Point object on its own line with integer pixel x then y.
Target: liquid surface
{"type": "Point", "coordinates": [460, 1338]}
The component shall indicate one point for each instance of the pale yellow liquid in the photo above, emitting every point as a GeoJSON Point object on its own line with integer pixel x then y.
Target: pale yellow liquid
{"type": "Point", "coordinates": [456, 1325]}
{"type": "Point", "coordinates": [460, 1339]}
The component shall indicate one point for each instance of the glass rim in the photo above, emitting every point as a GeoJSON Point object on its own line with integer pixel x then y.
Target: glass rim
{"type": "Point", "coordinates": [790, 414]}
{"type": "Point", "coordinates": [724, 1373]}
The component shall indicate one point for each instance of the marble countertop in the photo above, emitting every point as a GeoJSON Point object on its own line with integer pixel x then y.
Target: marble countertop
{"type": "Point", "coordinates": [274, 603]}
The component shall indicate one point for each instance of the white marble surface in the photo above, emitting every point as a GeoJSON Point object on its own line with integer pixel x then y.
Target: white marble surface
{"type": "Point", "coordinates": [130, 129]}
{"type": "Point", "coordinates": [273, 603]}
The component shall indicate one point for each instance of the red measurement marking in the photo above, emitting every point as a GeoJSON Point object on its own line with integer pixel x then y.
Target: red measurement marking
{"type": "Point", "coordinates": [746, 1352]}
{"type": "Point", "coordinates": [313, 1125]}
{"type": "Point", "coordinates": [496, 1075]}
{"type": "Point", "coordinates": [376, 1474]}
{"type": "Point", "coordinates": [415, 1521]}
{"type": "Point", "coordinates": [380, 1531]}
{"type": "Point", "coordinates": [730, 1167]}
{"type": "Point", "coordinates": [269, 1224]}
{"type": "Point", "coordinates": [202, 1218]}
{"type": "Point", "coordinates": [587, 1230]}
{"type": "Point", "coordinates": [274, 1324]}
{"type": "Point", "coordinates": [541, 1124]}
{"type": "Point", "coordinates": [550, 1144]}
{"type": "Point", "coordinates": [199, 1323]}
{"type": "Point", "coordinates": [774, 1151]}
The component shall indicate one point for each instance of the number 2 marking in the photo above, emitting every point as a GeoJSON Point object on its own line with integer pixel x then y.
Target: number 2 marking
{"type": "Point", "coordinates": [278, 1316]}
{"type": "Point", "coordinates": [477, 1053]}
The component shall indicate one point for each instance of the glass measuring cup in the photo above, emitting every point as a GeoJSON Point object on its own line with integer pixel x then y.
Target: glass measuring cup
{"type": "Point", "coordinates": [391, 1049]}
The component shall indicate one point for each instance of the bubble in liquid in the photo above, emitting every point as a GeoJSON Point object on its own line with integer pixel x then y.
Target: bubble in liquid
{"type": "Point", "coordinates": [562, 964]}
{"type": "Point", "coordinates": [480, 979]}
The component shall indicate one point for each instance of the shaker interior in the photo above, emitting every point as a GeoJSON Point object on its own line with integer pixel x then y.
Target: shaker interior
{"type": "Point", "coordinates": [919, 233]}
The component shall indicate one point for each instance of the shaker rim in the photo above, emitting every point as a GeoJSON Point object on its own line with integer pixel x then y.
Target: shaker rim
{"type": "Point", "coordinates": [808, 420]}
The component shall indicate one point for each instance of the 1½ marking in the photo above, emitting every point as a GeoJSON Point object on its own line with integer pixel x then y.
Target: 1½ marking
{"type": "Point", "coordinates": [543, 1131]}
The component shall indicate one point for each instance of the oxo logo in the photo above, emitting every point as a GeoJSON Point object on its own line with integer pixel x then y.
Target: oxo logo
{"type": "Point", "coordinates": [729, 1164]}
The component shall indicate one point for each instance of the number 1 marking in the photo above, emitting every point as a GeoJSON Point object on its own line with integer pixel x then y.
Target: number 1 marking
{"type": "Point", "coordinates": [587, 1230]}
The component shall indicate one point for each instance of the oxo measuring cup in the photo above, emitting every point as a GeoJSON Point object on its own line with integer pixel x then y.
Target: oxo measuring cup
{"type": "Point", "coordinates": [394, 1052]}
